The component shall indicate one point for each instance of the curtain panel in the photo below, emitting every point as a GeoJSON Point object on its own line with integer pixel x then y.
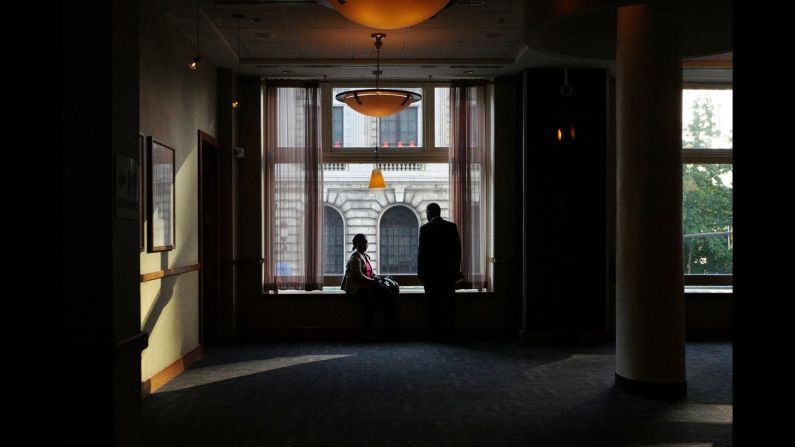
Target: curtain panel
{"type": "Point", "coordinates": [470, 170]}
{"type": "Point", "coordinates": [293, 187]}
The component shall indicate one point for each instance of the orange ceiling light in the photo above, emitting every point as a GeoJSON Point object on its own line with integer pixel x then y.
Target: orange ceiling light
{"type": "Point", "coordinates": [388, 14]}
{"type": "Point", "coordinates": [378, 102]}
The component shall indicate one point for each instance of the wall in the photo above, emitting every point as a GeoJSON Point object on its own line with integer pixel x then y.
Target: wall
{"type": "Point", "coordinates": [100, 347]}
{"type": "Point", "coordinates": [175, 103]}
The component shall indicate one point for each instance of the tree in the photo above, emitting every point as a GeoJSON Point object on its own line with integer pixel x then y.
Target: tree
{"type": "Point", "coordinates": [707, 199]}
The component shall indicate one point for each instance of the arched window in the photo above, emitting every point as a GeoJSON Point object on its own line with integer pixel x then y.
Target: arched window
{"type": "Point", "coordinates": [398, 244]}
{"type": "Point", "coordinates": [333, 242]}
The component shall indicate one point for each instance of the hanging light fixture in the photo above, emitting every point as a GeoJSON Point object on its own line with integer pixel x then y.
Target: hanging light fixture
{"type": "Point", "coordinates": [194, 65]}
{"type": "Point", "coordinates": [376, 178]}
{"type": "Point", "coordinates": [389, 14]}
{"type": "Point", "coordinates": [239, 17]}
{"type": "Point", "coordinates": [378, 102]}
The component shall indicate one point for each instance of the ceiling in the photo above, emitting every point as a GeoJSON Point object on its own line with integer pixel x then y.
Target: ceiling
{"type": "Point", "coordinates": [309, 39]}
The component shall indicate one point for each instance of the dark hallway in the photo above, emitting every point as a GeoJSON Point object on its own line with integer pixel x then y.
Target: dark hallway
{"type": "Point", "coordinates": [425, 394]}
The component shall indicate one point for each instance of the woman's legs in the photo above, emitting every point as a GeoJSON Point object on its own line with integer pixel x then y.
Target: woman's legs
{"type": "Point", "coordinates": [382, 296]}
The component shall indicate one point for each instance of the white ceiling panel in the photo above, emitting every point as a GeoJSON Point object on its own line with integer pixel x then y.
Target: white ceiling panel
{"type": "Point", "coordinates": [280, 50]}
{"type": "Point", "coordinates": [431, 49]}
{"type": "Point", "coordinates": [478, 50]}
{"type": "Point", "coordinates": [325, 49]}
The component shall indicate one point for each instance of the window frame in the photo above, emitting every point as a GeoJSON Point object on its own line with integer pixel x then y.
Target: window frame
{"type": "Point", "coordinates": [708, 156]}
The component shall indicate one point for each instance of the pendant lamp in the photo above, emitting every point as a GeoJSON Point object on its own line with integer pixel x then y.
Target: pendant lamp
{"type": "Point", "coordinates": [389, 14]}
{"type": "Point", "coordinates": [378, 102]}
{"type": "Point", "coordinates": [376, 178]}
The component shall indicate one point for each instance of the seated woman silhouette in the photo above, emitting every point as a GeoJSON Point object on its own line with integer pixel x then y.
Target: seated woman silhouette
{"type": "Point", "coordinates": [360, 281]}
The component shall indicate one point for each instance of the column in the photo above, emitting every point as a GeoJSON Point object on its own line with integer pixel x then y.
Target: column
{"type": "Point", "coordinates": [650, 323]}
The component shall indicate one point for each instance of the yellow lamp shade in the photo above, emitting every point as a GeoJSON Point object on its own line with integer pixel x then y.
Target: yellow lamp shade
{"type": "Point", "coordinates": [388, 14]}
{"type": "Point", "coordinates": [376, 179]}
{"type": "Point", "coordinates": [378, 102]}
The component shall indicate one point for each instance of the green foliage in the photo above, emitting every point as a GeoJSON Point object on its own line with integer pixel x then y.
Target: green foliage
{"type": "Point", "coordinates": [707, 200]}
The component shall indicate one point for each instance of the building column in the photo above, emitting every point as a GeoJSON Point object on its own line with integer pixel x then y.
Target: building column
{"type": "Point", "coordinates": [650, 320]}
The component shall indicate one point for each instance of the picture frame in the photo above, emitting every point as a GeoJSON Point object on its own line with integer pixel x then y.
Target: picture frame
{"type": "Point", "coordinates": [161, 203]}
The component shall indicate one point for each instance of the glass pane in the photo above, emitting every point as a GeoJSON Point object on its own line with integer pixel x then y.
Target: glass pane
{"type": "Point", "coordinates": [411, 186]}
{"type": "Point", "coordinates": [333, 242]}
{"type": "Point", "coordinates": [707, 121]}
{"type": "Point", "coordinates": [707, 219]}
{"type": "Point", "coordinates": [398, 132]}
{"type": "Point", "coordinates": [441, 116]}
{"type": "Point", "coordinates": [399, 238]}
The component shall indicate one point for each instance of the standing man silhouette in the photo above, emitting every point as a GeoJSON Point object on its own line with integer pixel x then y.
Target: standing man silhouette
{"type": "Point", "coordinates": [438, 268]}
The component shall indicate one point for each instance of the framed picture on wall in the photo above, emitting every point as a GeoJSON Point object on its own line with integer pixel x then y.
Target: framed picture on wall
{"type": "Point", "coordinates": [161, 197]}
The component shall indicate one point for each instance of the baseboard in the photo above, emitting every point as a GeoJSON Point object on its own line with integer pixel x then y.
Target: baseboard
{"type": "Point", "coordinates": [654, 390]}
{"type": "Point", "coordinates": [173, 370]}
{"type": "Point", "coordinates": [709, 334]}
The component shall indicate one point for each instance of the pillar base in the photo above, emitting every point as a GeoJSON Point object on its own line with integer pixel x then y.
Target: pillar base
{"type": "Point", "coordinates": [655, 390]}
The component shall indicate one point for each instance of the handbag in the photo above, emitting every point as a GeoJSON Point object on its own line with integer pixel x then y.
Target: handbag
{"type": "Point", "coordinates": [389, 282]}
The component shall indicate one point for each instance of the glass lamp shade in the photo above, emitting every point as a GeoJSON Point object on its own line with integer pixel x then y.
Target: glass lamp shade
{"type": "Point", "coordinates": [376, 179]}
{"type": "Point", "coordinates": [388, 14]}
{"type": "Point", "coordinates": [378, 102]}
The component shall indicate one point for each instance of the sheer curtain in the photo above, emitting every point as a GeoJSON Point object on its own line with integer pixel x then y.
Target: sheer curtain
{"type": "Point", "coordinates": [470, 170]}
{"type": "Point", "coordinates": [293, 186]}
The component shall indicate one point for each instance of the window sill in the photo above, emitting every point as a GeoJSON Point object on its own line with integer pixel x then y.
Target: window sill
{"type": "Point", "coordinates": [335, 290]}
{"type": "Point", "coordinates": [708, 289]}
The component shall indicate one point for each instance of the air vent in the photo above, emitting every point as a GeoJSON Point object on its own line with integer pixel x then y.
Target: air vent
{"type": "Point", "coordinates": [475, 66]}
{"type": "Point", "coordinates": [471, 2]}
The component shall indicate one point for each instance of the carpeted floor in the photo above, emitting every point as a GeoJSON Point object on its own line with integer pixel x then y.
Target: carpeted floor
{"type": "Point", "coordinates": [432, 394]}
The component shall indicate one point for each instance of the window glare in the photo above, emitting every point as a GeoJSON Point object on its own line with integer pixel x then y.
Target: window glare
{"type": "Point", "coordinates": [441, 114]}
{"type": "Point", "coordinates": [707, 121]}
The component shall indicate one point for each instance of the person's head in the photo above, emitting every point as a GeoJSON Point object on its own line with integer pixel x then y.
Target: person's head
{"type": "Point", "coordinates": [360, 243]}
{"type": "Point", "coordinates": [433, 210]}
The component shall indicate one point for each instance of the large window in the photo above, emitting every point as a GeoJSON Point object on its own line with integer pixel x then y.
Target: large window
{"type": "Point", "coordinates": [412, 155]}
{"type": "Point", "coordinates": [399, 231]}
{"type": "Point", "coordinates": [333, 242]}
{"type": "Point", "coordinates": [707, 142]}
{"type": "Point", "coordinates": [409, 188]}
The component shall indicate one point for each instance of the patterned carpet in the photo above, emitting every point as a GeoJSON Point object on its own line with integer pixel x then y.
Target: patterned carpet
{"type": "Point", "coordinates": [432, 394]}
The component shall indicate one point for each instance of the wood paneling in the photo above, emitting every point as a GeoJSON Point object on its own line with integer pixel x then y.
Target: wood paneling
{"type": "Point", "coordinates": [163, 377]}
